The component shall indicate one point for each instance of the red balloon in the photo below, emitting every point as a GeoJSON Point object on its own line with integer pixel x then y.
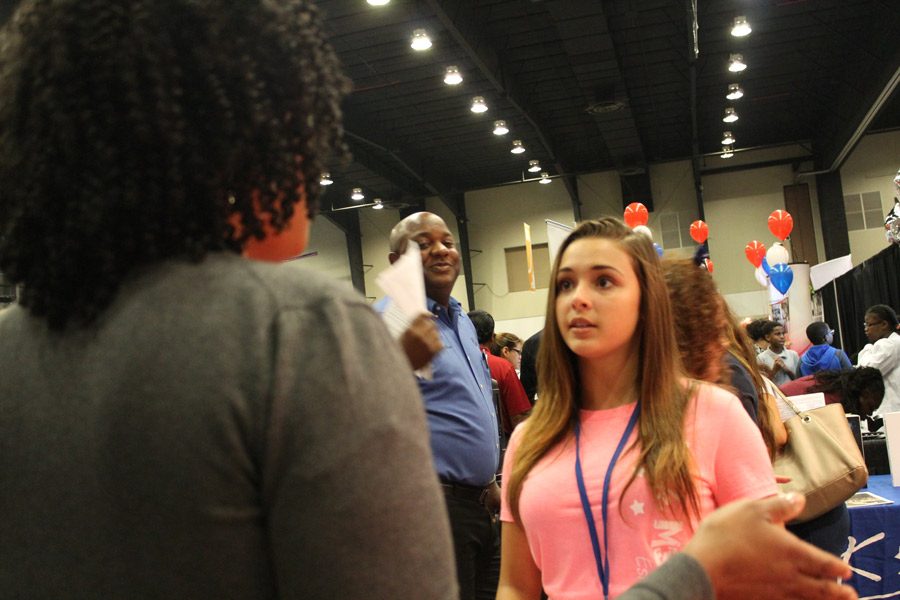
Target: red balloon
{"type": "Point", "coordinates": [781, 223]}
{"type": "Point", "coordinates": [755, 252]}
{"type": "Point", "coordinates": [699, 231]}
{"type": "Point", "coordinates": [636, 214]}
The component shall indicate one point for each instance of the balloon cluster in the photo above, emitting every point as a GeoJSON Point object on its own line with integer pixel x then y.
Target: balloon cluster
{"type": "Point", "coordinates": [636, 216]}
{"type": "Point", "coordinates": [771, 266]}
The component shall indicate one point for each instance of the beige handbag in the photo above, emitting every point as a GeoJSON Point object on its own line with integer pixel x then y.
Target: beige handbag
{"type": "Point", "coordinates": [821, 458]}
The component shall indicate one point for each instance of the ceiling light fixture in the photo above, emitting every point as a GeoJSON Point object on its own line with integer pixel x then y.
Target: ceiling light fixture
{"type": "Point", "coordinates": [735, 91]}
{"type": "Point", "coordinates": [326, 179]}
{"type": "Point", "coordinates": [545, 178]}
{"type": "Point", "coordinates": [500, 128]}
{"type": "Point", "coordinates": [420, 40]}
{"type": "Point", "coordinates": [736, 63]}
{"type": "Point", "coordinates": [357, 194]}
{"type": "Point", "coordinates": [377, 204]}
{"type": "Point", "coordinates": [727, 152]}
{"type": "Point", "coordinates": [741, 27]}
{"type": "Point", "coordinates": [730, 115]}
{"type": "Point", "coordinates": [517, 147]}
{"type": "Point", "coordinates": [727, 138]}
{"type": "Point", "coordinates": [534, 166]}
{"type": "Point", "coordinates": [378, 2]}
{"type": "Point", "coordinates": [452, 76]}
{"type": "Point", "coordinates": [478, 105]}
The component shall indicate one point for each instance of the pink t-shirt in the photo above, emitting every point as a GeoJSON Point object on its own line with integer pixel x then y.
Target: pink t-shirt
{"type": "Point", "coordinates": [731, 462]}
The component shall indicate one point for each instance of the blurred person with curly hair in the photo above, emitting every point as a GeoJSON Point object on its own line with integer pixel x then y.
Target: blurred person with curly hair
{"type": "Point", "coordinates": [714, 347]}
{"type": "Point", "coordinates": [859, 390]}
{"type": "Point", "coordinates": [755, 331]}
{"type": "Point", "coordinates": [179, 420]}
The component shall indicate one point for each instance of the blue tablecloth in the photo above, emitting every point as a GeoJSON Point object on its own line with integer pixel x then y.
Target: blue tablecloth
{"type": "Point", "coordinates": [874, 545]}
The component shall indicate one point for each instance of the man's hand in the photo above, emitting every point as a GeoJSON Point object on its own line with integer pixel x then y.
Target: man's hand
{"type": "Point", "coordinates": [747, 553]}
{"type": "Point", "coordinates": [421, 341]}
{"type": "Point", "coordinates": [492, 499]}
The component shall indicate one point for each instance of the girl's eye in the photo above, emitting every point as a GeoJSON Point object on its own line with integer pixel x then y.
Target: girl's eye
{"type": "Point", "coordinates": [563, 285]}
{"type": "Point", "coordinates": [604, 282]}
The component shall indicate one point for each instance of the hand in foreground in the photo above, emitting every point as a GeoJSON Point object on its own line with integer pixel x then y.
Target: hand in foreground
{"type": "Point", "coordinates": [747, 553]}
{"type": "Point", "coordinates": [421, 341]}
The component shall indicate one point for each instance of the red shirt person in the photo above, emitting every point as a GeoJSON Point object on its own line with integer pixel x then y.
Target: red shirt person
{"type": "Point", "coordinates": [514, 404]}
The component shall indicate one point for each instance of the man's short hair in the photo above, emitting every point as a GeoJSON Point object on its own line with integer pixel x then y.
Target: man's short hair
{"type": "Point", "coordinates": [816, 332]}
{"type": "Point", "coordinates": [484, 325]}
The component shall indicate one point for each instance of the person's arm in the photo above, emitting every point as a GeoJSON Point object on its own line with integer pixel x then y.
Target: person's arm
{"type": "Point", "coordinates": [350, 500]}
{"type": "Point", "coordinates": [844, 360]}
{"type": "Point", "coordinates": [512, 394]}
{"type": "Point", "coordinates": [520, 578]}
{"type": "Point", "coordinates": [747, 553]}
{"type": "Point", "coordinates": [883, 355]}
{"type": "Point", "coordinates": [778, 428]}
{"type": "Point", "coordinates": [794, 364]}
{"type": "Point", "coordinates": [528, 366]}
{"type": "Point", "coordinates": [743, 385]}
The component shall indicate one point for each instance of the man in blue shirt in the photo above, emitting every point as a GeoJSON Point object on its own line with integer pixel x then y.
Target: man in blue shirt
{"type": "Point", "coordinates": [460, 410]}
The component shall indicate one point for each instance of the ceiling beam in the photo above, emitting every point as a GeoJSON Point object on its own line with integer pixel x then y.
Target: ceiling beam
{"type": "Point", "coordinates": [361, 133]}
{"type": "Point", "coordinates": [833, 151]}
{"type": "Point", "coordinates": [383, 162]}
{"type": "Point", "coordinates": [584, 27]}
{"type": "Point", "coordinates": [457, 17]}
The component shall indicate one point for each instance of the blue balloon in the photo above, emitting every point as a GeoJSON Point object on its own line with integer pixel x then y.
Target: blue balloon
{"type": "Point", "coordinates": [781, 276]}
{"type": "Point", "coordinates": [765, 266]}
{"type": "Point", "coordinates": [658, 248]}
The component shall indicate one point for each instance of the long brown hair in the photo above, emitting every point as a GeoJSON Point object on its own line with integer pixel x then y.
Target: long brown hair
{"type": "Point", "coordinates": [664, 395]}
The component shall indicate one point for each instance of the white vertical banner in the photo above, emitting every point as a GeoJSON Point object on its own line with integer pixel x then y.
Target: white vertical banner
{"type": "Point", "coordinates": [529, 257]}
{"type": "Point", "coordinates": [800, 308]}
{"type": "Point", "coordinates": [556, 234]}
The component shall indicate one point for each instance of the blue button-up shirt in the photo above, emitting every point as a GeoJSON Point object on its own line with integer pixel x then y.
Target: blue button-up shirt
{"type": "Point", "coordinates": [458, 401]}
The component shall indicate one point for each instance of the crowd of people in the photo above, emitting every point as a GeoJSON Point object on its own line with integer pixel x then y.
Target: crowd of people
{"type": "Point", "coordinates": [186, 416]}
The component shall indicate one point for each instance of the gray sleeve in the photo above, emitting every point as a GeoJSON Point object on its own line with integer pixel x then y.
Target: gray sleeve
{"type": "Point", "coordinates": [354, 507]}
{"type": "Point", "coordinates": [679, 578]}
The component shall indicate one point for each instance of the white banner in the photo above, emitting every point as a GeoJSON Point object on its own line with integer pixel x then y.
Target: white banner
{"type": "Point", "coordinates": [556, 234]}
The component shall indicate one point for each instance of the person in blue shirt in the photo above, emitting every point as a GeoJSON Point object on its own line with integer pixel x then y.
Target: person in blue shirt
{"type": "Point", "coordinates": [460, 409]}
{"type": "Point", "coordinates": [822, 356]}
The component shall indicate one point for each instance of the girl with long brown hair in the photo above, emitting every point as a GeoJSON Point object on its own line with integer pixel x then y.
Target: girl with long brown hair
{"type": "Point", "coordinates": [624, 454]}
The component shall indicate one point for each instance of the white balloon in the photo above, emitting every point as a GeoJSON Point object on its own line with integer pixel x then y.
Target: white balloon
{"type": "Point", "coordinates": [645, 230]}
{"type": "Point", "coordinates": [777, 254]}
{"type": "Point", "coordinates": [761, 277]}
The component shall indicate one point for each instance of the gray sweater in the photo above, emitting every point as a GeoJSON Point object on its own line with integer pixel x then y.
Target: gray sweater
{"type": "Point", "coordinates": [228, 429]}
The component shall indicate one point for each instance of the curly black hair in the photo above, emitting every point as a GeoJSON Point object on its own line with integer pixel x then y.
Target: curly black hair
{"type": "Point", "coordinates": [850, 385]}
{"type": "Point", "coordinates": [133, 131]}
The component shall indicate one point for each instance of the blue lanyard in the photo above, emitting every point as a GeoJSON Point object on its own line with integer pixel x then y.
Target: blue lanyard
{"type": "Point", "coordinates": [602, 564]}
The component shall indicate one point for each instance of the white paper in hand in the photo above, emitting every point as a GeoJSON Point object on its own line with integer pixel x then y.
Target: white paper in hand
{"type": "Point", "coordinates": [404, 284]}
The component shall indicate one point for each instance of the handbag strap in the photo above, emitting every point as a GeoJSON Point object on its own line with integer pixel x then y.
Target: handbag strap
{"type": "Point", "coordinates": [771, 387]}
